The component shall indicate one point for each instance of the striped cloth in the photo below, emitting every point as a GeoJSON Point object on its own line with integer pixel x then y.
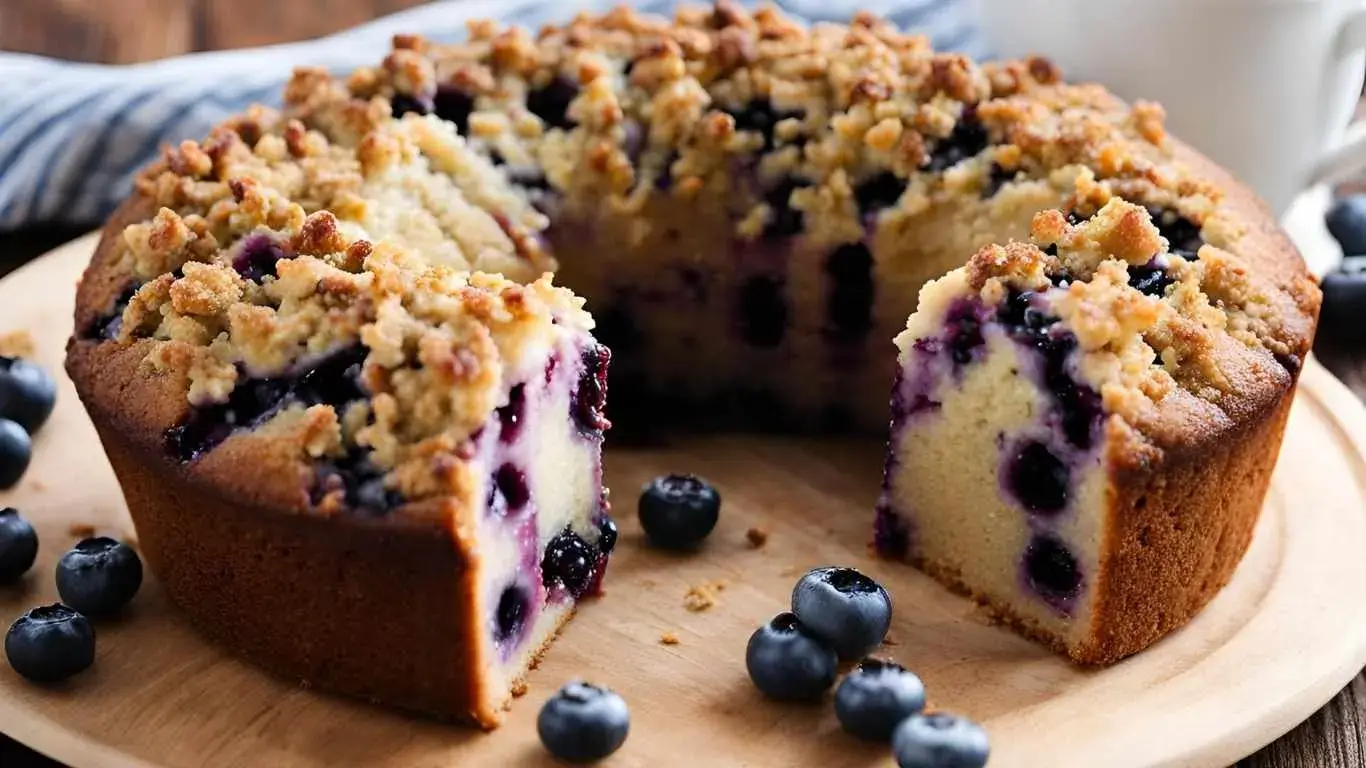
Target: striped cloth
{"type": "Point", "coordinates": [72, 136]}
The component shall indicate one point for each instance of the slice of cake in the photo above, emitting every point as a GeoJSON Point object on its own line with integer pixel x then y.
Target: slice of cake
{"type": "Point", "coordinates": [364, 472]}
{"type": "Point", "coordinates": [1061, 413]}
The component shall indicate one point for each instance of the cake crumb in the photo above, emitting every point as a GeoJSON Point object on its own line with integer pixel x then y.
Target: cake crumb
{"type": "Point", "coordinates": [16, 344]}
{"type": "Point", "coordinates": [668, 638]}
{"type": "Point", "coordinates": [757, 537]}
{"type": "Point", "coordinates": [518, 689]}
{"type": "Point", "coordinates": [702, 597]}
{"type": "Point", "coordinates": [81, 530]}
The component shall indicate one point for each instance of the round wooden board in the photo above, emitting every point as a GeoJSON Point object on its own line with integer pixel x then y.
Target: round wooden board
{"type": "Point", "coordinates": [1282, 639]}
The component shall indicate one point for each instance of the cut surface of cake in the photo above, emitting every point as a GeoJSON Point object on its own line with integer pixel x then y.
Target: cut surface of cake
{"type": "Point", "coordinates": [322, 352]}
{"type": "Point", "coordinates": [331, 448]}
{"type": "Point", "coordinates": [1064, 405]}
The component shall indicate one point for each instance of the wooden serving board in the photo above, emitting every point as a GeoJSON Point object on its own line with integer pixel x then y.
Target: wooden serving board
{"type": "Point", "coordinates": [1281, 640]}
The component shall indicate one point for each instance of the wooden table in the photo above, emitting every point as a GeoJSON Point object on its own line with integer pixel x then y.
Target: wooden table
{"type": "Point", "coordinates": [138, 30]}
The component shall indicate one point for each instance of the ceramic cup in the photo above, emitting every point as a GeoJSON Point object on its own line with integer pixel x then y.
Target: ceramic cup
{"type": "Point", "coordinates": [1265, 88]}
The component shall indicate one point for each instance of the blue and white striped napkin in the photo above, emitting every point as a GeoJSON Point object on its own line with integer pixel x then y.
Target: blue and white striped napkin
{"type": "Point", "coordinates": [72, 136]}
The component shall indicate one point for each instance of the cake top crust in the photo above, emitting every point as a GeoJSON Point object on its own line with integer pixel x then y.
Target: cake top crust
{"type": "Point", "coordinates": [373, 210]}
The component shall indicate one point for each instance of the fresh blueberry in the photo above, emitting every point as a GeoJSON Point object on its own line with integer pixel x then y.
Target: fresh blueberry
{"type": "Point", "coordinates": [848, 610]}
{"type": "Point", "coordinates": [15, 451]}
{"type": "Point", "coordinates": [27, 393]}
{"type": "Point", "coordinates": [788, 662]}
{"type": "Point", "coordinates": [678, 511]}
{"type": "Point", "coordinates": [1346, 222]}
{"type": "Point", "coordinates": [583, 723]}
{"type": "Point", "coordinates": [568, 561]}
{"type": "Point", "coordinates": [50, 643]}
{"type": "Point", "coordinates": [551, 102]}
{"type": "Point", "coordinates": [939, 740]}
{"type": "Point", "coordinates": [99, 576]}
{"type": "Point", "coordinates": [1343, 316]}
{"type": "Point", "coordinates": [18, 545]}
{"type": "Point", "coordinates": [607, 539]}
{"type": "Point", "coordinates": [872, 700]}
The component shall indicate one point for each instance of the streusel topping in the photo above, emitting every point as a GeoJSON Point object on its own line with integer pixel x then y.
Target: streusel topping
{"type": "Point", "coordinates": [1148, 319]}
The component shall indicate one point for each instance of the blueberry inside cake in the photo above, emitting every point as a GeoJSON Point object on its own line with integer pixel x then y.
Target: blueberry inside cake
{"type": "Point", "coordinates": [351, 413]}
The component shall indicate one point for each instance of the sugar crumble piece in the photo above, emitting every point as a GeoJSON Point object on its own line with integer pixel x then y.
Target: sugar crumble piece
{"type": "Point", "coordinates": [757, 537]}
{"type": "Point", "coordinates": [17, 344]}
{"type": "Point", "coordinates": [668, 638]}
{"type": "Point", "coordinates": [518, 689]}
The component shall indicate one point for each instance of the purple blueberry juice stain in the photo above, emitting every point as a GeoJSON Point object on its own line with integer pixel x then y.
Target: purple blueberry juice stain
{"type": "Point", "coordinates": [1182, 234]}
{"type": "Point", "coordinates": [1050, 570]}
{"type": "Point", "coordinates": [1078, 406]}
{"type": "Point", "coordinates": [588, 402]}
{"type": "Point", "coordinates": [510, 416]}
{"type": "Point", "coordinates": [257, 257]}
{"type": "Point", "coordinates": [968, 139]}
{"type": "Point", "coordinates": [1150, 279]}
{"type": "Point", "coordinates": [510, 483]}
{"type": "Point", "coordinates": [1035, 477]}
{"type": "Point", "coordinates": [849, 300]}
{"type": "Point", "coordinates": [891, 531]}
{"type": "Point", "coordinates": [454, 105]}
{"type": "Point", "coordinates": [510, 617]}
{"type": "Point", "coordinates": [551, 102]}
{"type": "Point", "coordinates": [762, 311]}
{"type": "Point", "coordinates": [963, 331]}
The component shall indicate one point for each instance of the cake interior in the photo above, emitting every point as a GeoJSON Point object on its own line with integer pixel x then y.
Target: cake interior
{"type": "Point", "coordinates": [541, 535]}
{"type": "Point", "coordinates": [995, 480]}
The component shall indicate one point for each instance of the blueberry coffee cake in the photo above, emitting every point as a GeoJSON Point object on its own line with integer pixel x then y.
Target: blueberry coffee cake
{"type": "Point", "coordinates": [351, 414]}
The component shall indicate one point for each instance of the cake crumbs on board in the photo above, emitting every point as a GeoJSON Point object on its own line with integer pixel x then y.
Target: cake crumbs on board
{"type": "Point", "coordinates": [80, 530]}
{"type": "Point", "coordinates": [757, 537]}
{"type": "Point", "coordinates": [668, 638]}
{"type": "Point", "coordinates": [702, 597]}
{"type": "Point", "coordinates": [16, 344]}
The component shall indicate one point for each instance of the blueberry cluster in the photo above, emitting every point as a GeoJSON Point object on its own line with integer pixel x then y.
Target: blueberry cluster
{"type": "Point", "coordinates": [27, 395]}
{"type": "Point", "coordinates": [96, 578]}
{"type": "Point", "coordinates": [1343, 316]}
{"type": "Point", "coordinates": [839, 614]}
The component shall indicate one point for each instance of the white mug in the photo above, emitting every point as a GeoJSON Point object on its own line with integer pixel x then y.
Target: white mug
{"type": "Point", "coordinates": [1265, 88]}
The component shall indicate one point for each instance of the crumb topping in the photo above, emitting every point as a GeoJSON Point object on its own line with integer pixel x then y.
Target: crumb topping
{"type": "Point", "coordinates": [375, 209]}
{"type": "Point", "coordinates": [1149, 320]}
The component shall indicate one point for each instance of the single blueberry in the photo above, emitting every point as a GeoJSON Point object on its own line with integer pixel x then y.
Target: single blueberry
{"type": "Point", "coordinates": [16, 449]}
{"type": "Point", "coordinates": [878, 192]}
{"type": "Point", "coordinates": [763, 312]}
{"type": "Point", "coordinates": [678, 511]}
{"type": "Point", "coordinates": [1051, 570]}
{"type": "Point", "coordinates": [1182, 234]}
{"type": "Point", "coordinates": [849, 306]}
{"type": "Point", "coordinates": [760, 117]}
{"type": "Point", "coordinates": [1342, 317]}
{"type": "Point", "coordinates": [403, 103]}
{"type": "Point", "coordinates": [99, 576]}
{"type": "Point", "coordinates": [258, 257]}
{"type": "Point", "coordinates": [551, 102]}
{"type": "Point", "coordinates": [784, 220]}
{"type": "Point", "coordinates": [968, 139]}
{"type": "Point", "coordinates": [589, 401]}
{"type": "Point", "coordinates": [583, 723]}
{"type": "Point", "coordinates": [18, 545]}
{"type": "Point", "coordinates": [1150, 279]}
{"type": "Point", "coordinates": [1039, 480]}
{"type": "Point", "coordinates": [27, 393]}
{"type": "Point", "coordinates": [940, 740]}
{"type": "Point", "coordinates": [873, 699]}
{"type": "Point", "coordinates": [512, 484]}
{"type": "Point", "coordinates": [1346, 221]}
{"type": "Point", "coordinates": [789, 663]}
{"type": "Point", "coordinates": [50, 643]}
{"type": "Point", "coordinates": [568, 561]}
{"type": "Point", "coordinates": [454, 106]}
{"type": "Point", "coordinates": [845, 608]}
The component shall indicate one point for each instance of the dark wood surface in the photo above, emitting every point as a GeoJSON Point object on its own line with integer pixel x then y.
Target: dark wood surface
{"type": "Point", "coordinates": [117, 31]}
